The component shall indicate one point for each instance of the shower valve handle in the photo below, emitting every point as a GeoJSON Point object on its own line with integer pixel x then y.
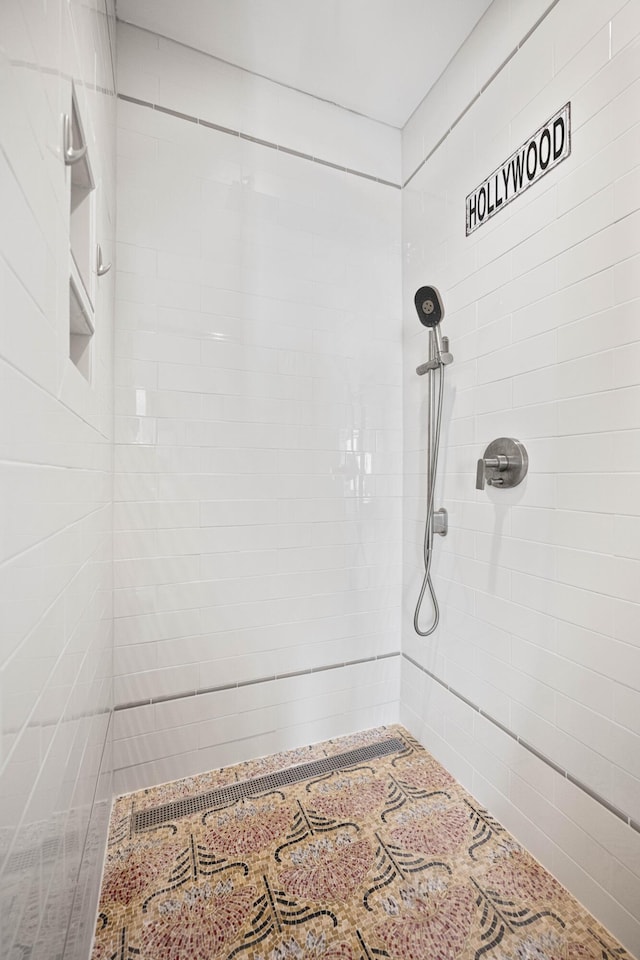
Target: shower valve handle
{"type": "Point", "coordinates": [492, 463]}
{"type": "Point", "coordinates": [504, 464]}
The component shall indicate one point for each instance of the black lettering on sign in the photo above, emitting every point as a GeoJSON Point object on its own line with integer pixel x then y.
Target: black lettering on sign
{"type": "Point", "coordinates": [558, 137]}
{"type": "Point", "coordinates": [505, 178]}
{"type": "Point", "coordinates": [518, 171]}
{"type": "Point", "coordinates": [532, 165]}
{"type": "Point", "coordinates": [545, 149]}
{"type": "Point", "coordinates": [548, 147]}
{"type": "Point", "coordinates": [482, 203]}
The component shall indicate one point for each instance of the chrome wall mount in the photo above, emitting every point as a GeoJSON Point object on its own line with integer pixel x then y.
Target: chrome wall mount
{"type": "Point", "coordinates": [504, 464]}
{"type": "Point", "coordinates": [441, 522]}
{"type": "Point", "coordinates": [101, 267]}
{"type": "Point", "coordinates": [71, 154]}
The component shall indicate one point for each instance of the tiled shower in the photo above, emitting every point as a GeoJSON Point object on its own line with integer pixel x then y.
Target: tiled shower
{"type": "Point", "coordinates": [258, 436]}
{"type": "Point", "coordinates": [213, 497]}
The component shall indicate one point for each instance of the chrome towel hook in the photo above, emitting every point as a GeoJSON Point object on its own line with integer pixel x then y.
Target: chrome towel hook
{"type": "Point", "coordinates": [101, 268]}
{"type": "Point", "coordinates": [71, 154]}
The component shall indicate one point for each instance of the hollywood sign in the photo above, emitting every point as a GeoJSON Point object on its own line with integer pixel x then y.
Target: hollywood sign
{"type": "Point", "coordinates": [548, 147]}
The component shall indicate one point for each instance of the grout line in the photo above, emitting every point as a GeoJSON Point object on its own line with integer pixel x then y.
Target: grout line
{"type": "Point", "coordinates": [30, 720]}
{"type": "Point", "coordinates": [112, 42]}
{"type": "Point", "coordinates": [138, 703]}
{"type": "Point", "coordinates": [49, 536]}
{"type": "Point", "coordinates": [39, 386]}
{"type": "Point", "coordinates": [148, 701]}
{"type": "Point", "coordinates": [175, 113]}
{"type": "Point", "coordinates": [541, 18]}
{"type": "Point", "coordinates": [217, 126]}
{"type": "Point", "coordinates": [544, 758]}
{"type": "Point", "coordinates": [476, 96]}
{"type": "Point", "coordinates": [469, 703]}
{"type": "Point", "coordinates": [62, 75]}
{"type": "Point", "coordinates": [616, 811]}
{"type": "Point", "coordinates": [141, 103]}
{"type": "Point", "coordinates": [336, 166]}
{"type": "Point", "coordinates": [262, 143]}
{"type": "Point", "coordinates": [501, 726]}
{"type": "Point", "coordinates": [600, 799]}
{"type": "Point", "coordinates": [255, 73]}
{"type": "Point", "coordinates": [294, 673]}
{"type": "Point", "coordinates": [174, 696]}
{"type": "Point", "coordinates": [81, 861]}
{"type": "Point", "coordinates": [294, 153]}
{"type": "Point", "coordinates": [249, 683]}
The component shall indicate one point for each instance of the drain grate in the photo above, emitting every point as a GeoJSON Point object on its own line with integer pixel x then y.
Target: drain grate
{"type": "Point", "coordinates": [156, 816]}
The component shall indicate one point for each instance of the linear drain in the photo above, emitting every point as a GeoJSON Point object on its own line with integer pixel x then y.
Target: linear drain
{"type": "Point", "coordinates": [155, 816]}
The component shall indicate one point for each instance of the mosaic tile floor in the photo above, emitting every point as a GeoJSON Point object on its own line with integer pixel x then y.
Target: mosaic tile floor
{"type": "Point", "coordinates": [388, 857]}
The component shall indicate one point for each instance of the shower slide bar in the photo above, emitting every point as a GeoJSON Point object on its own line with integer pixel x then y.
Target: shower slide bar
{"type": "Point", "coordinates": [430, 312]}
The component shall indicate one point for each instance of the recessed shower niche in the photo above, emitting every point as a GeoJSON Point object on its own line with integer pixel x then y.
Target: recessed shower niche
{"type": "Point", "coordinates": [81, 240]}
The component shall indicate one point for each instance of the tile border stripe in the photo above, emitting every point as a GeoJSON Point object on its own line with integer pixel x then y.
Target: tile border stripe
{"type": "Point", "coordinates": [616, 811]}
{"type": "Point", "coordinates": [263, 143]}
{"type": "Point", "coordinates": [184, 694]}
{"type": "Point", "coordinates": [482, 89]}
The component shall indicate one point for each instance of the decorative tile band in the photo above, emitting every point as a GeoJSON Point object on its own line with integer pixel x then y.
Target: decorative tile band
{"type": "Point", "coordinates": [531, 749]}
{"type": "Point", "coordinates": [155, 816]}
{"type": "Point", "coordinates": [477, 96]}
{"type": "Point", "coordinates": [250, 683]}
{"type": "Point", "coordinates": [263, 143]}
{"type": "Point", "coordinates": [62, 75]}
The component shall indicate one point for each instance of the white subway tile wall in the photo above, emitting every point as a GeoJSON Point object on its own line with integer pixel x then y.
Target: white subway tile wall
{"type": "Point", "coordinates": [538, 585]}
{"type": "Point", "coordinates": [56, 488]}
{"type": "Point", "coordinates": [266, 540]}
{"type": "Point", "coordinates": [176, 77]}
{"type": "Point", "coordinates": [258, 460]}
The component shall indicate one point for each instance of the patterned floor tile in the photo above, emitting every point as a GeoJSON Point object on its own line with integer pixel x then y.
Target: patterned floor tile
{"type": "Point", "coordinates": [386, 858]}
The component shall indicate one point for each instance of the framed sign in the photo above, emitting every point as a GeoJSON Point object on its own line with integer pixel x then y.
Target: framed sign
{"type": "Point", "coordinates": [543, 151]}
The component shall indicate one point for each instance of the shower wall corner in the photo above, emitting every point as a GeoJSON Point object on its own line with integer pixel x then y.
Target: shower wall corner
{"type": "Point", "coordinates": [529, 691]}
{"type": "Point", "coordinates": [57, 470]}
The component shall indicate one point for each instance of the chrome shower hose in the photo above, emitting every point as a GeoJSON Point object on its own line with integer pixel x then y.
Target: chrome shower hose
{"type": "Point", "coordinates": [432, 466]}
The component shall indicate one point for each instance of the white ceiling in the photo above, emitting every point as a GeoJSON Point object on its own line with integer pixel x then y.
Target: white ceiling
{"type": "Point", "coordinates": [378, 57]}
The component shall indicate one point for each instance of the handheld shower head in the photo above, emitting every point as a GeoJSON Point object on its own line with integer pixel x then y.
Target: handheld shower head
{"type": "Point", "coordinates": [429, 306]}
{"type": "Point", "coordinates": [430, 313]}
